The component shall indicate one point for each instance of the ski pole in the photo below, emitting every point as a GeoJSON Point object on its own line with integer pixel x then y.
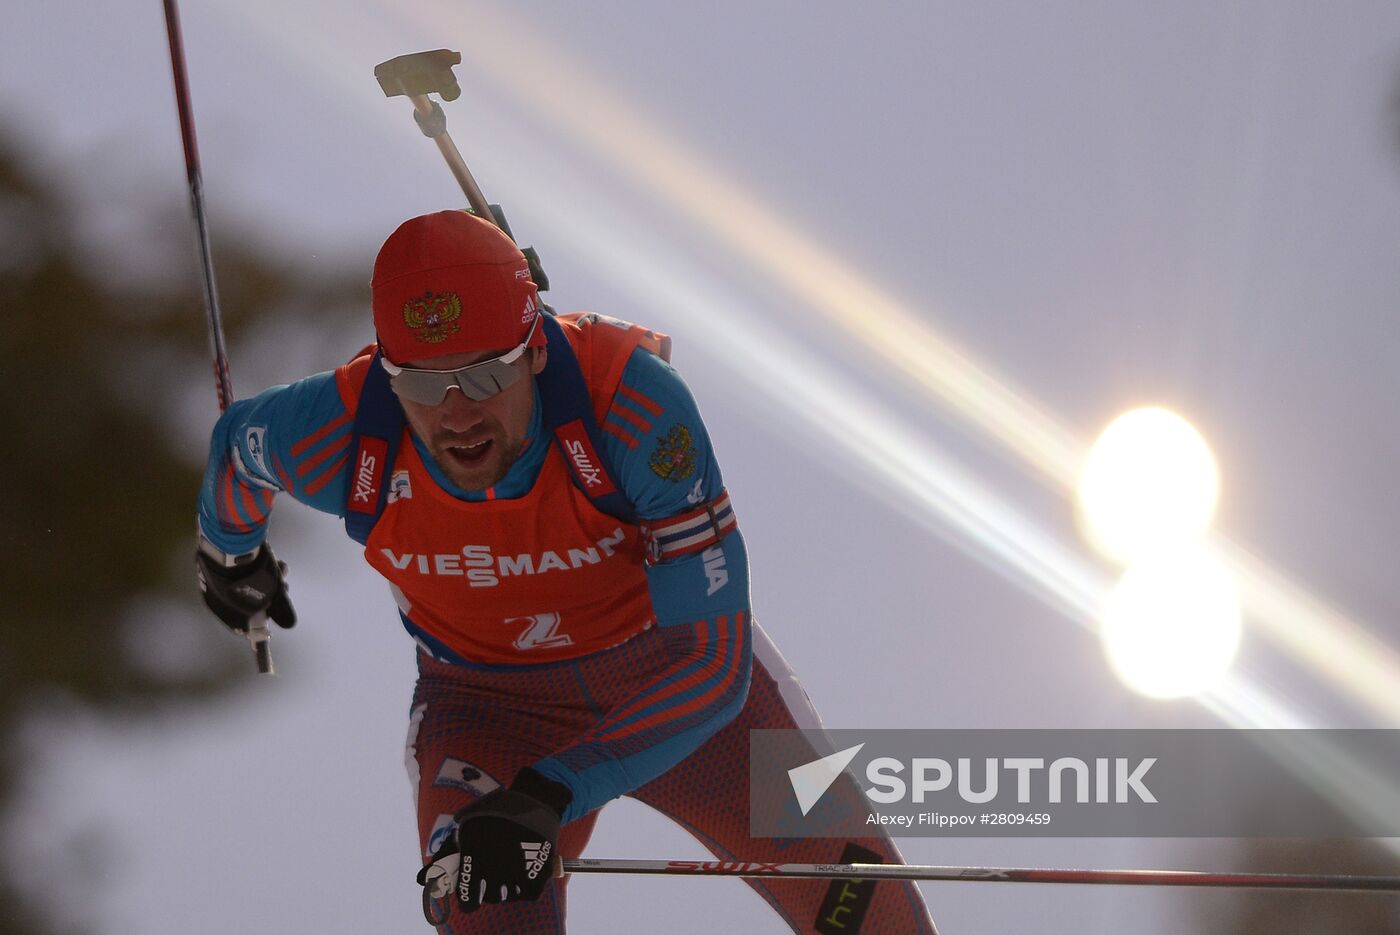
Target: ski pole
{"type": "Point", "coordinates": [258, 633]}
{"type": "Point", "coordinates": [437, 898]}
{"type": "Point", "coordinates": [924, 873]}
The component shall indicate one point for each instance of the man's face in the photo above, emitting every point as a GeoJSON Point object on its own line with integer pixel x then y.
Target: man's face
{"type": "Point", "coordinates": [475, 443]}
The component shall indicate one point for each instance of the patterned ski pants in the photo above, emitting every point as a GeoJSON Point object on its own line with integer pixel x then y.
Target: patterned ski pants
{"type": "Point", "coordinates": [473, 729]}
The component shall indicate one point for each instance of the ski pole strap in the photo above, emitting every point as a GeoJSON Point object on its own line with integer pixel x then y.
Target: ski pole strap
{"type": "Point", "coordinates": [568, 416]}
{"type": "Point", "coordinates": [690, 532]}
{"type": "Point", "coordinates": [378, 429]}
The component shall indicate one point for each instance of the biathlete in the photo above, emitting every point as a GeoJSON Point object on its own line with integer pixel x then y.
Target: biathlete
{"type": "Point", "coordinates": [542, 496]}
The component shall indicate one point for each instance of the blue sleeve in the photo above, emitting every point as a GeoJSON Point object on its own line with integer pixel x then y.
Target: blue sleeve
{"type": "Point", "coordinates": [292, 439]}
{"type": "Point", "coordinates": [661, 452]}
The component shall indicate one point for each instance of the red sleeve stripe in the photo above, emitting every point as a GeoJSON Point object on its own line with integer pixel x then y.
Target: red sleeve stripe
{"type": "Point", "coordinates": [724, 663]}
{"type": "Point", "coordinates": [627, 415]}
{"type": "Point", "coordinates": [330, 451]}
{"type": "Point", "coordinates": [330, 474]}
{"type": "Point", "coordinates": [251, 507]}
{"type": "Point", "coordinates": [619, 432]}
{"type": "Point", "coordinates": [686, 672]}
{"type": "Point", "coordinates": [283, 477]}
{"type": "Point", "coordinates": [631, 395]}
{"type": "Point", "coordinates": [322, 432]}
{"type": "Point", "coordinates": [722, 668]}
{"type": "Point", "coordinates": [227, 508]}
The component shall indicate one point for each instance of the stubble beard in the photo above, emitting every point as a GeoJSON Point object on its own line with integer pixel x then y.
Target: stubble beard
{"type": "Point", "coordinates": [493, 468]}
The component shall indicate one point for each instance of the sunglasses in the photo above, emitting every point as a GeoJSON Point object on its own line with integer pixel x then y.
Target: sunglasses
{"type": "Point", "coordinates": [477, 381]}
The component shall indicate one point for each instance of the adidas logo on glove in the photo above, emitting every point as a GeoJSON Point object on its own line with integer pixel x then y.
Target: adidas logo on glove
{"type": "Point", "coordinates": [536, 857]}
{"type": "Point", "coordinates": [464, 880]}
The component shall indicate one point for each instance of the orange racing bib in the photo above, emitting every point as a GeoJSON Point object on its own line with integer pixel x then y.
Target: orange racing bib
{"type": "Point", "coordinates": [543, 577]}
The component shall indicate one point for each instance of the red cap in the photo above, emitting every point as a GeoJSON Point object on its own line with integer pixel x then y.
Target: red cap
{"type": "Point", "coordinates": [451, 283]}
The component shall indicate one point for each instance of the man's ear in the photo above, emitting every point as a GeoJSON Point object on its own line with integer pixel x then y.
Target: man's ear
{"type": "Point", "coordinates": [541, 356]}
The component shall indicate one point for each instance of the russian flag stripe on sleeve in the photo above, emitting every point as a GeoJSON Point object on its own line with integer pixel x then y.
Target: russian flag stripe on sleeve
{"type": "Point", "coordinates": [690, 532]}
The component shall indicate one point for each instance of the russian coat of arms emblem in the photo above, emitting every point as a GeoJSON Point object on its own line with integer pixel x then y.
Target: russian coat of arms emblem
{"type": "Point", "coordinates": [674, 456]}
{"type": "Point", "coordinates": [432, 317]}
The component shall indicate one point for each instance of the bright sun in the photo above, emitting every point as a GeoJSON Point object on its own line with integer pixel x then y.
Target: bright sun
{"type": "Point", "coordinates": [1147, 494]}
{"type": "Point", "coordinates": [1149, 483]}
{"type": "Point", "coordinates": [1172, 625]}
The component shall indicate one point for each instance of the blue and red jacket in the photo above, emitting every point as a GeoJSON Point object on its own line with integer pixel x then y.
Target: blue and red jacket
{"type": "Point", "coordinates": [531, 571]}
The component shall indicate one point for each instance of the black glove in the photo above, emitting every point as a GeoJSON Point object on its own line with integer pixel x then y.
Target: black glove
{"type": "Point", "coordinates": [503, 848]}
{"type": "Point", "coordinates": [239, 588]}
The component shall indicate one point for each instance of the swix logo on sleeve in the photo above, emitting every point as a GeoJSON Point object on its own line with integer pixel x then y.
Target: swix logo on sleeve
{"type": "Point", "coordinates": [583, 460]}
{"type": "Point", "coordinates": [369, 474]}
